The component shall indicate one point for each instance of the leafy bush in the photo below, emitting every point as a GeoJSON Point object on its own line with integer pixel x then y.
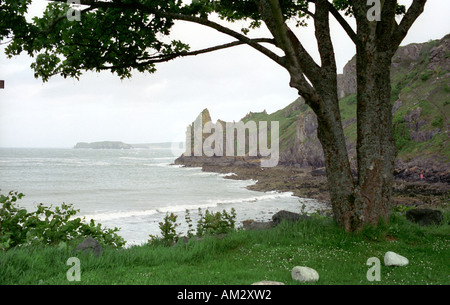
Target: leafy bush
{"type": "Point", "coordinates": [168, 230]}
{"type": "Point", "coordinates": [208, 224]}
{"type": "Point", "coordinates": [426, 75]}
{"type": "Point", "coordinates": [45, 226]}
{"type": "Point", "coordinates": [216, 223]}
{"type": "Point", "coordinates": [187, 217]}
{"type": "Point", "coordinates": [401, 135]}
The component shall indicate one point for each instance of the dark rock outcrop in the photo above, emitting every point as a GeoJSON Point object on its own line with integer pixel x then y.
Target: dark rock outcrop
{"type": "Point", "coordinates": [425, 217]}
{"type": "Point", "coordinates": [283, 215]}
{"type": "Point", "coordinates": [90, 245]}
{"type": "Point", "coordinates": [250, 224]}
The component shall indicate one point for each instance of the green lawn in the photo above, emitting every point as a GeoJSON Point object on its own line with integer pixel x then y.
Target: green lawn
{"type": "Point", "coordinates": [245, 257]}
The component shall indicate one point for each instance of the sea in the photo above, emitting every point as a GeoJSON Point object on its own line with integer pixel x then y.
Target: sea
{"type": "Point", "coordinates": [133, 189]}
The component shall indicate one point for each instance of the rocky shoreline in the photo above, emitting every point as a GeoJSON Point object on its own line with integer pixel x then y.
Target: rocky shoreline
{"type": "Point", "coordinates": [312, 183]}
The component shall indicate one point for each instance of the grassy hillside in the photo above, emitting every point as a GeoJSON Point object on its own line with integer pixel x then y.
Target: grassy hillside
{"type": "Point", "coordinates": [245, 257]}
{"type": "Point", "coordinates": [421, 101]}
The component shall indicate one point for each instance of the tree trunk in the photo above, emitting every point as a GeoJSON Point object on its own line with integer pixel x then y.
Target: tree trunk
{"type": "Point", "coordinates": [339, 175]}
{"type": "Point", "coordinates": [366, 200]}
{"type": "Point", "coordinates": [376, 149]}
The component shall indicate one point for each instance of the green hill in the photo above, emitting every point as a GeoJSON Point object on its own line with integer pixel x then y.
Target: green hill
{"type": "Point", "coordinates": [420, 97]}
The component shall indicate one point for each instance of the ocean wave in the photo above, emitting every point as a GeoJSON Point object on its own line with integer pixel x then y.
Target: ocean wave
{"type": "Point", "coordinates": [188, 168]}
{"type": "Point", "coordinates": [184, 207]}
{"type": "Point", "coordinates": [163, 158]}
{"type": "Point", "coordinates": [107, 216]}
{"type": "Point", "coordinates": [265, 197]}
{"type": "Point", "coordinates": [119, 214]}
{"type": "Point", "coordinates": [227, 175]}
{"type": "Point", "coordinates": [54, 162]}
{"type": "Point", "coordinates": [157, 164]}
{"type": "Point", "coordinates": [205, 174]}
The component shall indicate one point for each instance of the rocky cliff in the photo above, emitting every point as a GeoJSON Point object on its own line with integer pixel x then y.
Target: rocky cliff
{"type": "Point", "coordinates": [420, 97]}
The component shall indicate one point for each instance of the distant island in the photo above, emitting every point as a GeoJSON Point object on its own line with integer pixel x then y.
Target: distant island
{"type": "Point", "coordinates": [120, 145]}
{"type": "Point", "coordinates": [104, 145]}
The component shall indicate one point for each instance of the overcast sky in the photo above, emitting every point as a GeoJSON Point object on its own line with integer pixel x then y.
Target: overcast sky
{"type": "Point", "coordinates": [158, 107]}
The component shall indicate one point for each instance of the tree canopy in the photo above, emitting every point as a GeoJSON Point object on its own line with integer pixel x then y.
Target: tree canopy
{"type": "Point", "coordinates": [122, 35]}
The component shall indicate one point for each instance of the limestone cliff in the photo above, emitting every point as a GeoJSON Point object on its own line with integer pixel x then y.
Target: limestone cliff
{"type": "Point", "coordinates": [420, 96]}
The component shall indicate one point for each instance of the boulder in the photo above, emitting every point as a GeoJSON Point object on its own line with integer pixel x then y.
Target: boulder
{"type": "Point", "coordinates": [268, 283]}
{"type": "Point", "coordinates": [90, 245]}
{"type": "Point", "coordinates": [278, 217]}
{"type": "Point", "coordinates": [304, 274]}
{"type": "Point", "coordinates": [394, 259]}
{"type": "Point", "coordinates": [250, 224]}
{"type": "Point", "coordinates": [425, 217]}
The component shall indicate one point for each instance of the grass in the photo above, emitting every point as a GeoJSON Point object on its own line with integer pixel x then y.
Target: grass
{"type": "Point", "coordinates": [245, 257]}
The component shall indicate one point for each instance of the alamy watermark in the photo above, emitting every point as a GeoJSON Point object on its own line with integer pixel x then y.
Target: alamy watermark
{"type": "Point", "coordinates": [374, 12]}
{"type": "Point", "coordinates": [374, 272]}
{"type": "Point", "coordinates": [74, 272]}
{"type": "Point", "coordinates": [73, 14]}
{"type": "Point", "coordinates": [237, 139]}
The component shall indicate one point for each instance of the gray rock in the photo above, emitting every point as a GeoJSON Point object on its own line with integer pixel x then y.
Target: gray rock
{"type": "Point", "coordinates": [250, 224]}
{"type": "Point", "coordinates": [278, 217]}
{"type": "Point", "coordinates": [90, 245]}
{"type": "Point", "coordinates": [304, 274]}
{"type": "Point", "coordinates": [394, 259]}
{"type": "Point", "coordinates": [425, 217]}
{"type": "Point", "coordinates": [268, 283]}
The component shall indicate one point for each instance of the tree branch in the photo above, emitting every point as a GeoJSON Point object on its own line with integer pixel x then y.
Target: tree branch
{"type": "Point", "coordinates": [323, 36]}
{"type": "Point", "coordinates": [347, 28]}
{"type": "Point", "coordinates": [414, 11]}
{"type": "Point", "coordinates": [178, 16]}
{"type": "Point", "coordinates": [149, 60]}
{"type": "Point", "coordinates": [167, 57]}
{"type": "Point", "coordinates": [300, 61]}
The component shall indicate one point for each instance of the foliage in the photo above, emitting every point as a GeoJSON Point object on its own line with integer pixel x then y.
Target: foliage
{"type": "Point", "coordinates": [187, 217]}
{"type": "Point", "coordinates": [402, 135]}
{"type": "Point", "coordinates": [47, 226]}
{"type": "Point", "coordinates": [208, 224]}
{"type": "Point", "coordinates": [247, 256]}
{"type": "Point", "coordinates": [124, 35]}
{"type": "Point", "coordinates": [216, 223]}
{"type": "Point", "coordinates": [401, 209]}
{"type": "Point", "coordinates": [168, 230]}
{"type": "Point", "coordinates": [426, 75]}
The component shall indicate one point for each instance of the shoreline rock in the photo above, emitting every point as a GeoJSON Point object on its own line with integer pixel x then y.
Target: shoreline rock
{"type": "Point", "coordinates": [312, 183]}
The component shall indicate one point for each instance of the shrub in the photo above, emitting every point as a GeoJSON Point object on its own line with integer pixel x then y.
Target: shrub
{"type": "Point", "coordinates": [401, 135]}
{"type": "Point", "coordinates": [45, 226]}
{"type": "Point", "coordinates": [208, 224]}
{"type": "Point", "coordinates": [216, 223]}
{"type": "Point", "coordinates": [426, 75]}
{"type": "Point", "coordinates": [168, 230]}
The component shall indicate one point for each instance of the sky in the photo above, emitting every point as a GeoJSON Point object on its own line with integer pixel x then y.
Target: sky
{"type": "Point", "coordinates": [153, 108]}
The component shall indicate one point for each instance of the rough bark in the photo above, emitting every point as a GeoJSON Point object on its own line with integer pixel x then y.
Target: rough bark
{"type": "Point", "coordinates": [375, 145]}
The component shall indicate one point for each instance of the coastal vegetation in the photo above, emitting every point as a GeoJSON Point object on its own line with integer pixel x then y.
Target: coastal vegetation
{"type": "Point", "coordinates": [245, 257]}
{"type": "Point", "coordinates": [47, 226]}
